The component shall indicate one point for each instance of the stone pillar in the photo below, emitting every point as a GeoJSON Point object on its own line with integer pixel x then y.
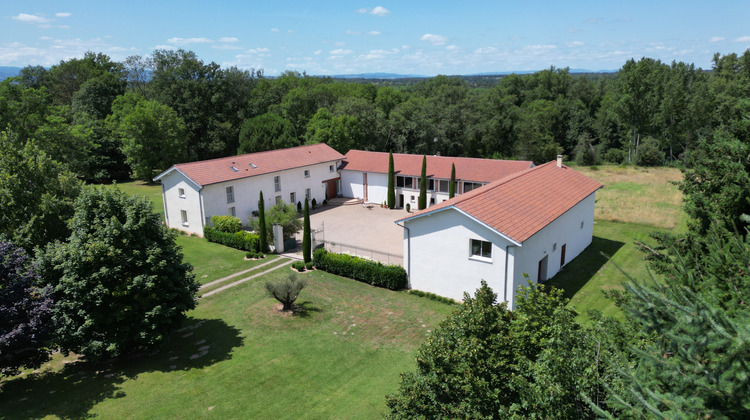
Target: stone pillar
{"type": "Point", "coordinates": [278, 238]}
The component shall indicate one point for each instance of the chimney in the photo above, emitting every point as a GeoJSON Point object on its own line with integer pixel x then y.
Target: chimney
{"type": "Point", "coordinates": [559, 161]}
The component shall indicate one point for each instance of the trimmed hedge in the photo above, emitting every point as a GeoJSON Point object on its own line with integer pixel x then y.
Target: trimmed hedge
{"type": "Point", "coordinates": [433, 296]}
{"type": "Point", "coordinates": [245, 241]}
{"type": "Point", "coordinates": [372, 272]}
{"type": "Point", "coordinates": [227, 224]}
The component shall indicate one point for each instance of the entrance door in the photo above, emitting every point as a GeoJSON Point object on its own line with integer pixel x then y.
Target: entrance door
{"type": "Point", "coordinates": [400, 201]}
{"type": "Point", "coordinates": [364, 186]}
{"type": "Point", "coordinates": [542, 274]}
{"type": "Point", "coordinates": [330, 189]}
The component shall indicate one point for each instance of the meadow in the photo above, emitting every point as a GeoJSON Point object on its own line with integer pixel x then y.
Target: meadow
{"type": "Point", "coordinates": [238, 357]}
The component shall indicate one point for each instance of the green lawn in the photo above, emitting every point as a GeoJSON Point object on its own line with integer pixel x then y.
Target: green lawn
{"type": "Point", "coordinates": [150, 191]}
{"type": "Point", "coordinates": [240, 358]}
{"type": "Point", "coordinates": [595, 269]}
{"type": "Point", "coordinates": [212, 261]}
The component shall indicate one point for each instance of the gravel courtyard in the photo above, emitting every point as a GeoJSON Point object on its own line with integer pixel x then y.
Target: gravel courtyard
{"type": "Point", "coordinates": [366, 230]}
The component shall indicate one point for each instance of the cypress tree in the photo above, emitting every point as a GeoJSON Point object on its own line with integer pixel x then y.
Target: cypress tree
{"type": "Point", "coordinates": [262, 223]}
{"type": "Point", "coordinates": [452, 185]}
{"type": "Point", "coordinates": [391, 183]}
{"type": "Point", "coordinates": [422, 204]}
{"type": "Point", "coordinates": [306, 239]}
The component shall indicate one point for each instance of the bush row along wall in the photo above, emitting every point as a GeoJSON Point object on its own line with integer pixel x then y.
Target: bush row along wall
{"type": "Point", "coordinates": [245, 241]}
{"type": "Point", "coordinates": [391, 277]}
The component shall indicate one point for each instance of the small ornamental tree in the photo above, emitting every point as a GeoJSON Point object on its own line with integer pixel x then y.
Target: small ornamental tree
{"type": "Point", "coordinates": [262, 223]}
{"type": "Point", "coordinates": [306, 236]}
{"type": "Point", "coordinates": [452, 184]}
{"type": "Point", "coordinates": [391, 183]}
{"type": "Point", "coordinates": [25, 313]}
{"type": "Point", "coordinates": [422, 203]}
{"type": "Point", "coordinates": [286, 291]}
{"type": "Point", "coordinates": [119, 281]}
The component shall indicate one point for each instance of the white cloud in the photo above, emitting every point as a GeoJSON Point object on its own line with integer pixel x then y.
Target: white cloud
{"type": "Point", "coordinates": [538, 49]}
{"type": "Point", "coordinates": [258, 52]}
{"type": "Point", "coordinates": [24, 17]}
{"type": "Point", "coordinates": [318, 52]}
{"type": "Point", "coordinates": [574, 44]}
{"type": "Point", "coordinates": [379, 54]}
{"type": "Point", "coordinates": [275, 30]}
{"type": "Point", "coordinates": [339, 43]}
{"type": "Point", "coordinates": [363, 10]}
{"type": "Point", "coordinates": [380, 11]}
{"type": "Point", "coordinates": [452, 48]}
{"type": "Point", "coordinates": [485, 50]}
{"type": "Point", "coordinates": [62, 14]}
{"type": "Point", "coordinates": [594, 20]}
{"type": "Point", "coordinates": [185, 41]}
{"type": "Point", "coordinates": [716, 39]}
{"type": "Point", "coordinates": [228, 39]}
{"type": "Point", "coordinates": [353, 33]}
{"type": "Point", "coordinates": [373, 33]}
{"type": "Point", "coordinates": [341, 51]}
{"type": "Point", "coordinates": [434, 39]}
{"type": "Point", "coordinates": [743, 39]}
{"type": "Point", "coordinates": [45, 38]}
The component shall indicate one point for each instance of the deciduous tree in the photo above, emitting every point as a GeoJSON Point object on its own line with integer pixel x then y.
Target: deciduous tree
{"type": "Point", "coordinates": [25, 313]}
{"type": "Point", "coordinates": [119, 280]}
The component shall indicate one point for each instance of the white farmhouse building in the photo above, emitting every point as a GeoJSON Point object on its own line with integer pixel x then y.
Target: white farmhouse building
{"type": "Point", "coordinates": [527, 224]}
{"type": "Point", "coordinates": [365, 176]}
{"type": "Point", "coordinates": [195, 191]}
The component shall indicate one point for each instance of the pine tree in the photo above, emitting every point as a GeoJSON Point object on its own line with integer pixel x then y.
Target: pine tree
{"type": "Point", "coordinates": [306, 240]}
{"type": "Point", "coordinates": [452, 185]}
{"type": "Point", "coordinates": [422, 204]}
{"type": "Point", "coordinates": [262, 222]}
{"type": "Point", "coordinates": [391, 183]}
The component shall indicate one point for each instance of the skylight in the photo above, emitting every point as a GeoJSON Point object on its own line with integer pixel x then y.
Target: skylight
{"type": "Point", "coordinates": [235, 169]}
{"type": "Point", "coordinates": [253, 166]}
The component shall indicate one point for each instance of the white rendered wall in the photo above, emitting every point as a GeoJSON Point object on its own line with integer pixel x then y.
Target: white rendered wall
{"type": "Point", "coordinates": [173, 203]}
{"type": "Point", "coordinates": [212, 199]}
{"type": "Point", "coordinates": [565, 230]}
{"type": "Point", "coordinates": [247, 190]}
{"type": "Point", "coordinates": [377, 189]}
{"type": "Point", "coordinates": [437, 255]}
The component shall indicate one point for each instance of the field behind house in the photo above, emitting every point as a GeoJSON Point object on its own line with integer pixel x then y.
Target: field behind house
{"type": "Point", "coordinates": [634, 203]}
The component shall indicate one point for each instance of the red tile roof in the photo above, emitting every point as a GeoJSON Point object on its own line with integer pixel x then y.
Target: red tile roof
{"type": "Point", "coordinates": [520, 205]}
{"type": "Point", "coordinates": [467, 169]}
{"type": "Point", "coordinates": [207, 172]}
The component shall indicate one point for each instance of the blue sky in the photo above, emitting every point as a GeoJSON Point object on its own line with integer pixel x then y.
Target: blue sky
{"type": "Point", "coordinates": [406, 37]}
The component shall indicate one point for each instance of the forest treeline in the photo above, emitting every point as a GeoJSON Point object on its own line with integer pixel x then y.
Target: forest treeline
{"type": "Point", "coordinates": [111, 120]}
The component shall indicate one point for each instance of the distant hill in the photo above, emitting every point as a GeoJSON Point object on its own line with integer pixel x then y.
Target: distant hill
{"type": "Point", "coordinates": [6, 72]}
{"type": "Point", "coordinates": [386, 76]}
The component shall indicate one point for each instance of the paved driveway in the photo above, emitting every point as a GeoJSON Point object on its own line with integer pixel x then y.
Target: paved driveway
{"type": "Point", "coordinates": [361, 230]}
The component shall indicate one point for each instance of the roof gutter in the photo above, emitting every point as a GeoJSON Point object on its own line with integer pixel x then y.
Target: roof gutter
{"type": "Point", "coordinates": [505, 285]}
{"type": "Point", "coordinates": [408, 251]}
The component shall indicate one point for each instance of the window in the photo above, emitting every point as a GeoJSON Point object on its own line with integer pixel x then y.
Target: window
{"type": "Point", "coordinates": [468, 186]}
{"type": "Point", "coordinates": [430, 185]}
{"type": "Point", "coordinates": [443, 186]}
{"type": "Point", "coordinates": [278, 199]}
{"type": "Point", "coordinates": [307, 173]}
{"type": "Point", "coordinates": [404, 182]}
{"type": "Point", "coordinates": [230, 194]}
{"type": "Point", "coordinates": [183, 215]}
{"type": "Point", "coordinates": [307, 193]}
{"type": "Point", "coordinates": [182, 192]}
{"type": "Point", "coordinates": [481, 248]}
{"type": "Point", "coordinates": [277, 183]}
{"type": "Point", "coordinates": [292, 198]}
{"type": "Point", "coordinates": [330, 168]}
{"type": "Point", "coordinates": [233, 212]}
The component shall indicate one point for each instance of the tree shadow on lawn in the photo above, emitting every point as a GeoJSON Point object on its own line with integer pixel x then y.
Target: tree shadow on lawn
{"type": "Point", "coordinates": [584, 267]}
{"type": "Point", "coordinates": [304, 309]}
{"type": "Point", "coordinates": [71, 392]}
